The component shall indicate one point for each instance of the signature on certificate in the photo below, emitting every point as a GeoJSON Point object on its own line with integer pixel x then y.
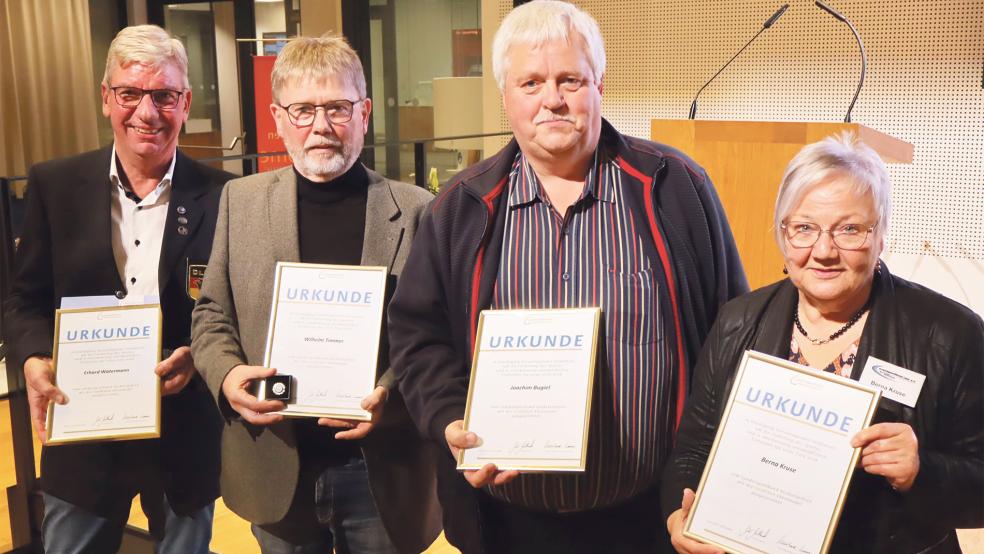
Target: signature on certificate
{"type": "Point", "coordinates": [791, 546]}
{"type": "Point", "coordinates": [757, 532]}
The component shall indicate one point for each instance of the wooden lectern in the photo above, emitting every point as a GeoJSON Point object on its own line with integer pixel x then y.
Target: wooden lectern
{"type": "Point", "coordinates": [746, 160]}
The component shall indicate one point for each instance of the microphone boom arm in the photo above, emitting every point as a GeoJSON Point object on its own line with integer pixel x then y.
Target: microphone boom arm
{"type": "Point", "coordinates": [693, 105]}
{"type": "Point", "coordinates": [864, 66]}
{"type": "Point", "coordinates": [864, 55]}
{"type": "Point", "coordinates": [768, 23]}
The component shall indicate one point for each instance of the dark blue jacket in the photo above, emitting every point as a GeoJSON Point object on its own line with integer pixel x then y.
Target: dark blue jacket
{"type": "Point", "coordinates": [451, 272]}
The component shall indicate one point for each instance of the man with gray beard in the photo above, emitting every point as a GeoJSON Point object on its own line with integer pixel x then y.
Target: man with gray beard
{"type": "Point", "coordinates": [312, 485]}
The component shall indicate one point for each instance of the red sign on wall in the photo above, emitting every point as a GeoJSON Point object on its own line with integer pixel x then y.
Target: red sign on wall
{"type": "Point", "coordinates": [267, 139]}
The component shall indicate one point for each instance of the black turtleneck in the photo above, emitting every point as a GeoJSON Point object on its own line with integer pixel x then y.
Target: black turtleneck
{"type": "Point", "coordinates": [331, 217]}
{"type": "Point", "coordinates": [331, 225]}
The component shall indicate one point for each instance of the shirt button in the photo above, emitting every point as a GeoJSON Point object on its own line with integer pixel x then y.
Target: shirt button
{"type": "Point", "coordinates": [139, 208]}
{"type": "Point", "coordinates": [137, 242]}
{"type": "Point", "coordinates": [566, 276]}
{"type": "Point", "coordinates": [133, 280]}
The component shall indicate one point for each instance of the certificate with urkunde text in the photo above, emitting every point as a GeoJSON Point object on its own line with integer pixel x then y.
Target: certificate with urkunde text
{"type": "Point", "coordinates": [780, 466]}
{"type": "Point", "coordinates": [104, 360]}
{"type": "Point", "coordinates": [529, 399]}
{"type": "Point", "coordinates": [325, 322]}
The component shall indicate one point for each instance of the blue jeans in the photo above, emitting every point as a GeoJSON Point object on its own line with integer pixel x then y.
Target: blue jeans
{"type": "Point", "coordinates": [68, 529]}
{"type": "Point", "coordinates": [345, 512]}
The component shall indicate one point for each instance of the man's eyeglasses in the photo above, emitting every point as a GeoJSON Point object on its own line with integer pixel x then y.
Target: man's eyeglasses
{"type": "Point", "coordinates": [130, 97]}
{"type": "Point", "coordinates": [302, 114]}
{"type": "Point", "coordinates": [850, 236]}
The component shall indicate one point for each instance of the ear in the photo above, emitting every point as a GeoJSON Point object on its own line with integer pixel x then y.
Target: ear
{"type": "Point", "coordinates": [601, 84]}
{"type": "Point", "coordinates": [187, 107]}
{"type": "Point", "coordinates": [366, 110]}
{"type": "Point", "coordinates": [274, 108]}
{"type": "Point", "coordinates": [107, 97]}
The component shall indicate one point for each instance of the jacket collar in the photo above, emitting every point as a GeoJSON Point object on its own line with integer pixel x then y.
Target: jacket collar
{"type": "Point", "coordinates": [383, 229]}
{"type": "Point", "coordinates": [482, 179]}
{"type": "Point", "coordinates": [184, 215]}
{"type": "Point", "coordinates": [776, 323]}
{"type": "Point", "coordinates": [282, 216]}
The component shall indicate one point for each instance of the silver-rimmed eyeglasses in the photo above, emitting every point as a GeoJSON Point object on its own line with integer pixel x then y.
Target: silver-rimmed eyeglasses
{"type": "Point", "coordinates": [302, 114]}
{"type": "Point", "coordinates": [849, 236]}
{"type": "Point", "coordinates": [163, 98]}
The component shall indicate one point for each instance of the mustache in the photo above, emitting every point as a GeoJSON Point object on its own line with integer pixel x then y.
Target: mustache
{"type": "Point", "coordinates": [323, 144]}
{"type": "Point", "coordinates": [553, 117]}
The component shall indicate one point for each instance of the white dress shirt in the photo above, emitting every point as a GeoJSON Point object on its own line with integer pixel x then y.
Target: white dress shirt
{"type": "Point", "coordinates": [138, 231]}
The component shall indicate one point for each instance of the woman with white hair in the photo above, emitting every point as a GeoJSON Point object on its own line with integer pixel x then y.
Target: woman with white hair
{"type": "Point", "coordinates": [921, 471]}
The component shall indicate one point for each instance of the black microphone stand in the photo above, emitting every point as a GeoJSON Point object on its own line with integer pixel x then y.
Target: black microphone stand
{"type": "Point", "coordinates": [766, 25]}
{"type": "Point", "coordinates": [864, 55]}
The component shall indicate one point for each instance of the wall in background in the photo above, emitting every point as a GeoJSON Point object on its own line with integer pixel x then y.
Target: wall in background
{"type": "Point", "coordinates": [924, 86]}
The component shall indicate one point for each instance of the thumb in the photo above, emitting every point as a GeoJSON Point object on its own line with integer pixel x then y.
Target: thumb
{"type": "Point", "coordinates": [262, 373]}
{"type": "Point", "coordinates": [464, 439]}
{"type": "Point", "coordinates": [163, 367]}
{"type": "Point", "coordinates": [687, 501]}
{"type": "Point", "coordinates": [375, 398]}
{"type": "Point", "coordinates": [53, 393]}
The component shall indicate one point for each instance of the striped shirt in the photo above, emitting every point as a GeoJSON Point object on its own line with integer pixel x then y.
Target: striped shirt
{"type": "Point", "coordinates": [594, 256]}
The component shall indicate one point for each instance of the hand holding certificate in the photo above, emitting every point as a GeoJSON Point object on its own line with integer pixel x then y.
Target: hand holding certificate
{"type": "Point", "coordinates": [781, 463]}
{"type": "Point", "coordinates": [324, 331]}
{"type": "Point", "coordinates": [530, 394]}
{"type": "Point", "coordinates": [104, 363]}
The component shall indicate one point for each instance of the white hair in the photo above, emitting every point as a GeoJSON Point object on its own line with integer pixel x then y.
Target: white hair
{"type": "Point", "coordinates": [541, 21]}
{"type": "Point", "coordinates": [146, 45]}
{"type": "Point", "coordinates": [844, 156]}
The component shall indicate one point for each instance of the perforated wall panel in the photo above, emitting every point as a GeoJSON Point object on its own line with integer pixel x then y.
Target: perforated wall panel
{"type": "Point", "coordinates": [924, 85]}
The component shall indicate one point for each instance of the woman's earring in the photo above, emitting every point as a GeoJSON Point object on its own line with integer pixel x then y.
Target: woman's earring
{"type": "Point", "coordinates": [878, 268]}
{"type": "Point", "coordinates": [785, 271]}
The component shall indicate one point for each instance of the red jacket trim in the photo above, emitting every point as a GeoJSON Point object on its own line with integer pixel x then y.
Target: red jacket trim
{"type": "Point", "coordinates": [488, 199]}
{"type": "Point", "coordinates": [664, 258]}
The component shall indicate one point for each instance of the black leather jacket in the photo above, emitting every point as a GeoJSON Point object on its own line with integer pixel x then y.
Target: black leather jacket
{"type": "Point", "coordinates": [909, 326]}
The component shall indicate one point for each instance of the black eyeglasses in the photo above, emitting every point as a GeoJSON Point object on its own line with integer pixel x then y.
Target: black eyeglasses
{"type": "Point", "coordinates": [163, 98]}
{"type": "Point", "coordinates": [850, 236]}
{"type": "Point", "coordinates": [302, 114]}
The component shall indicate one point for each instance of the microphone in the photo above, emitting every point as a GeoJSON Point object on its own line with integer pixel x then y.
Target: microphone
{"type": "Point", "coordinates": [775, 17]}
{"type": "Point", "coordinates": [864, 56]}
{"type": "Point", "coordinates": [768, 23]}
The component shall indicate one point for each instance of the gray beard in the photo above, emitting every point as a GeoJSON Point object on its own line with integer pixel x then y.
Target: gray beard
{"type": "Point", "coordinates": [321, 168]}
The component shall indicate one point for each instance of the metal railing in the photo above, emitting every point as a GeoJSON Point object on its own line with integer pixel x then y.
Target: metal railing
{"type": "Point", "coordinates": [419, 153]}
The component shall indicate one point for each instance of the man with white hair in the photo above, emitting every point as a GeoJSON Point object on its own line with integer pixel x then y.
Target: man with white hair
{"type": "Point", "coordinates": [306, 484]}
{"type": "Point", "coordinates": [134, 219]}
{"type": "Point", "coordinates": [571, 213]}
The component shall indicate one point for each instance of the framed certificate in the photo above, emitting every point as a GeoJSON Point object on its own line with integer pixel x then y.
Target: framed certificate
{"type": "Point", "coordinates": [324, 330]}
{"type": "Point", "coordinates": [529, 398]}
{"type": "Point", "coordinates": [104, 360]}
{"type": "Point", "coordinates": [780, 466]}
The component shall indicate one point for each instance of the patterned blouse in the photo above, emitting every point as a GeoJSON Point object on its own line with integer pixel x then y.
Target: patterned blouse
{"type": "Point", "coordinates": [842, 364]}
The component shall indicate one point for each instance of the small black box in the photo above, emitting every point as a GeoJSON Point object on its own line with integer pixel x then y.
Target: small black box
{"type": "Point", "coordinates": [277, 387]}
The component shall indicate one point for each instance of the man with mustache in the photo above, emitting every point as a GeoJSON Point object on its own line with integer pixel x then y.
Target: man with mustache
{"type": "Point", "coordinates": [131, 220]}
{"type": "Point", "coordinates": [312, 485]}
{"type": "Point", "coordinates": [571, 213]}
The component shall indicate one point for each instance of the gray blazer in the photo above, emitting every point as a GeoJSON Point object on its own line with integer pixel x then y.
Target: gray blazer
{"type": "Point", "coordinates": [257, 227]}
